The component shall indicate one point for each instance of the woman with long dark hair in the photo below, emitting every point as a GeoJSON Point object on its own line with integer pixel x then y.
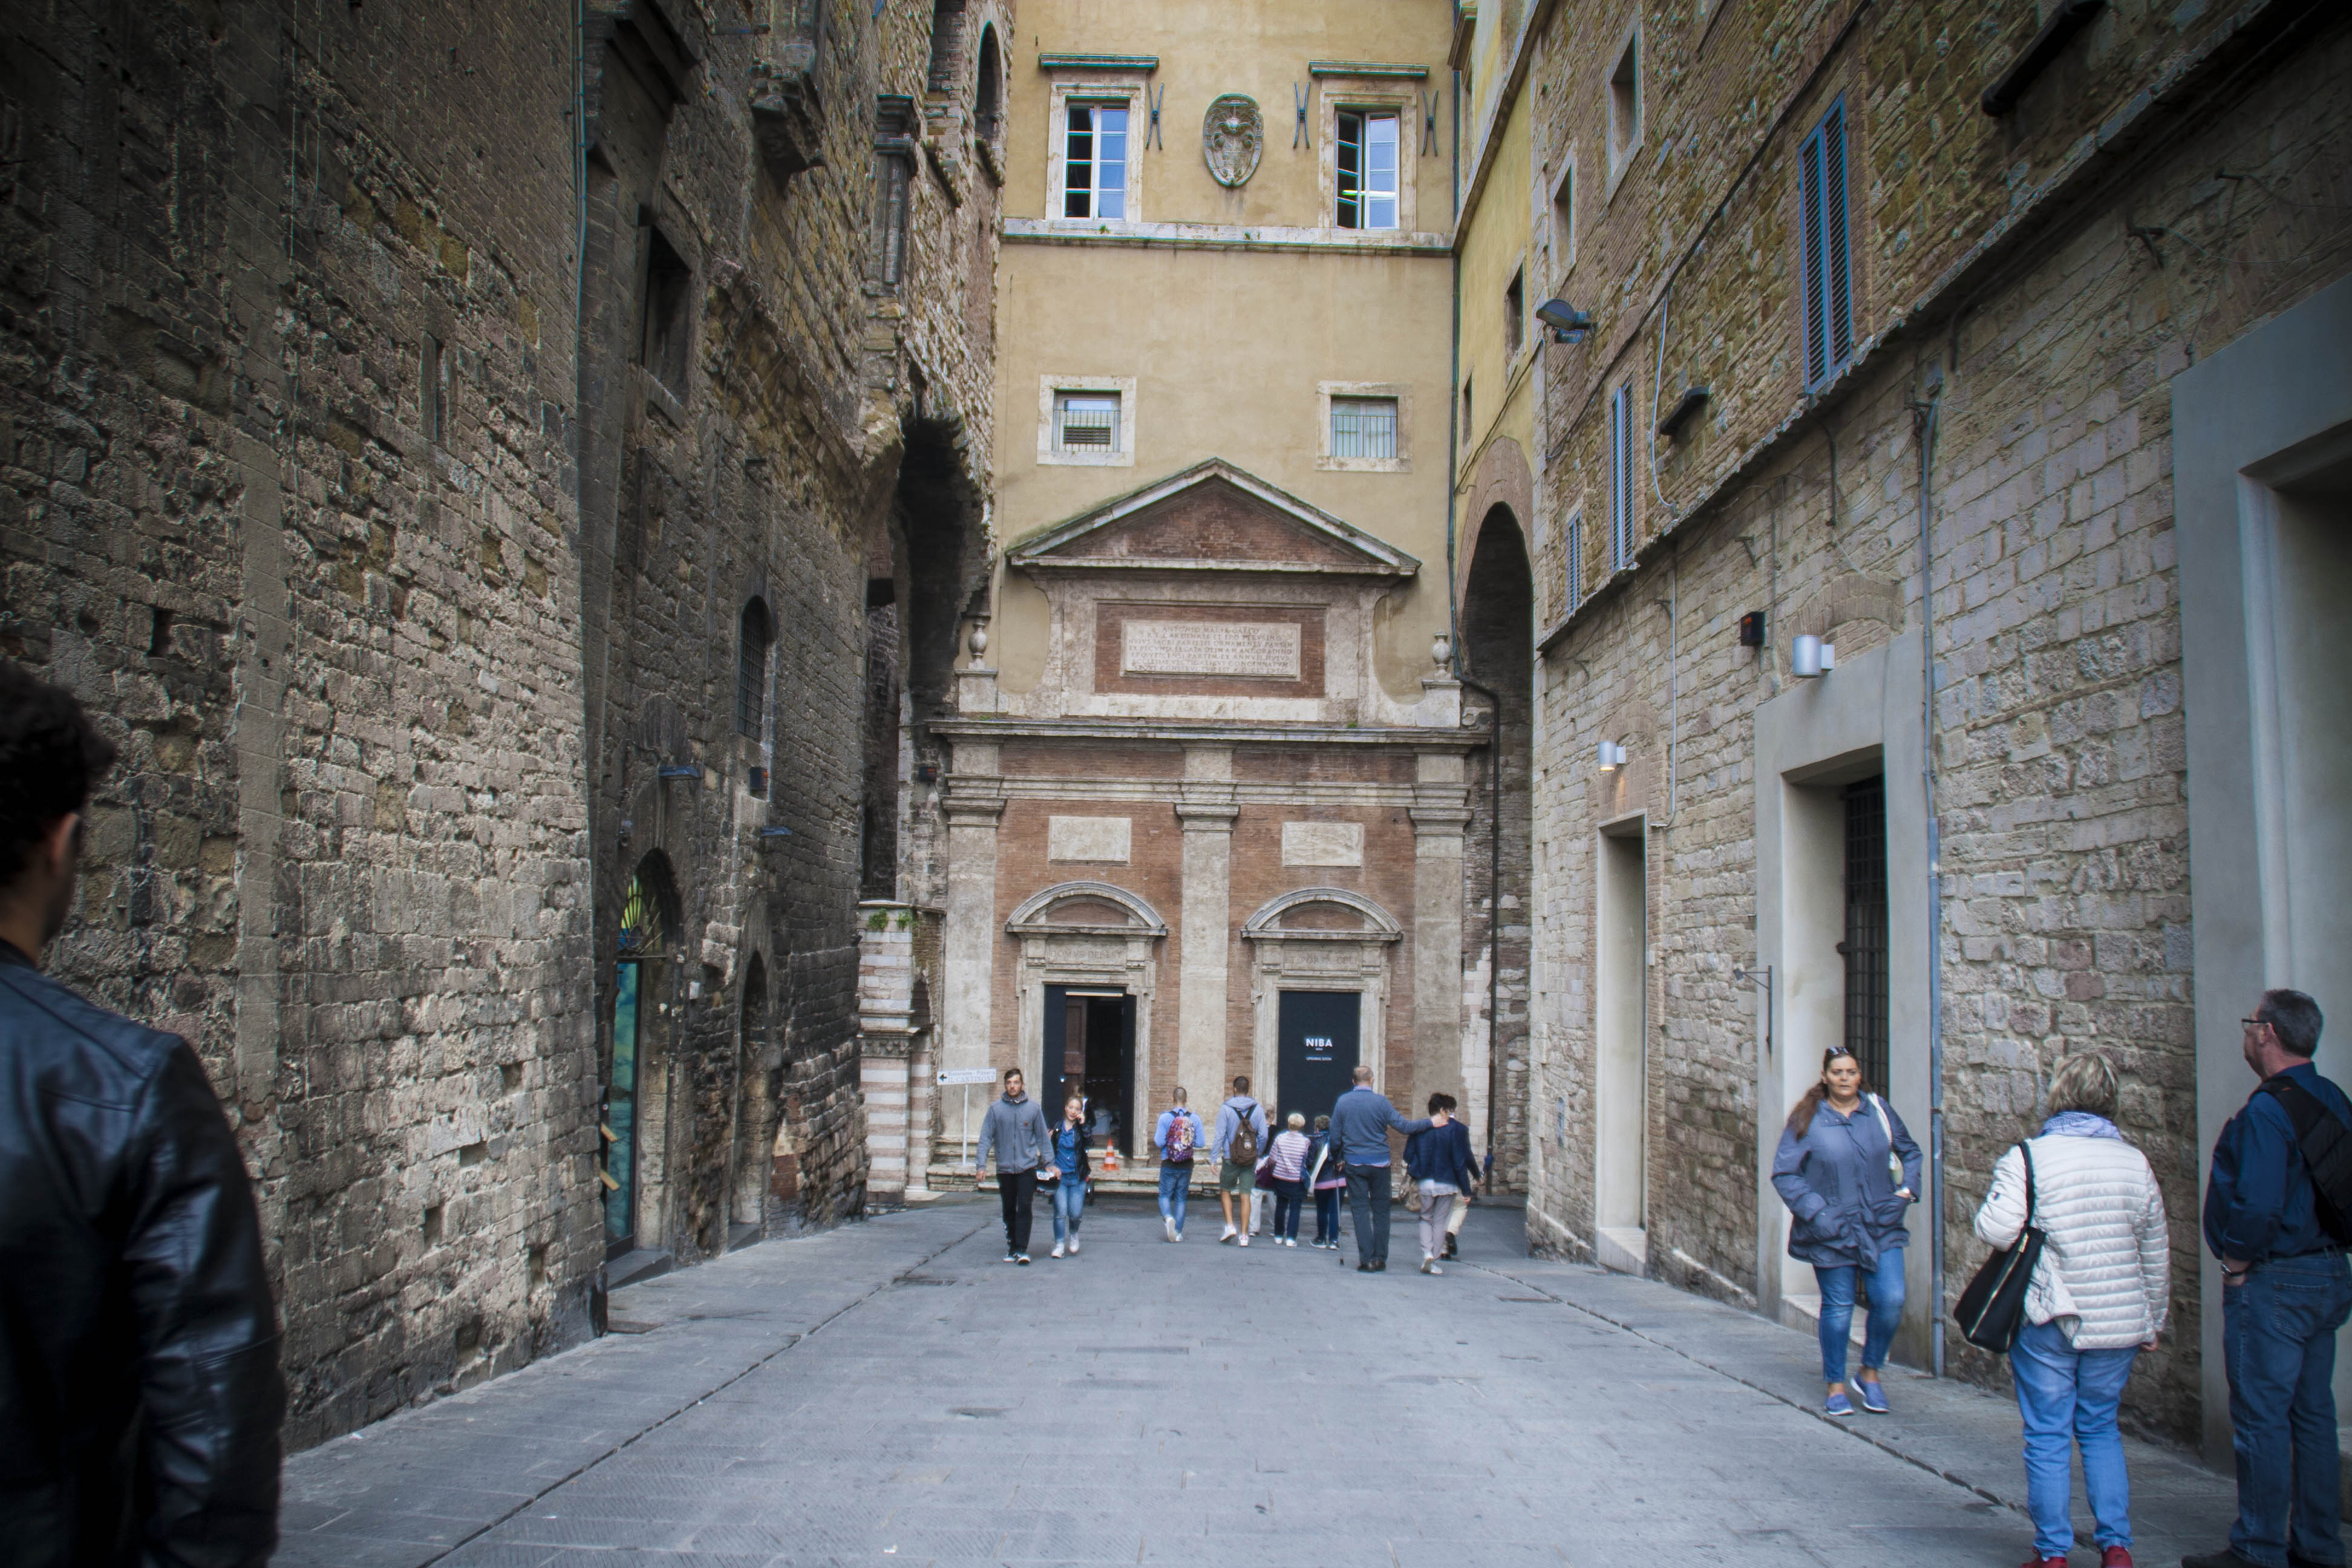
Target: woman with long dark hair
{"type": "Point", "coordinates": [1848, 1169]}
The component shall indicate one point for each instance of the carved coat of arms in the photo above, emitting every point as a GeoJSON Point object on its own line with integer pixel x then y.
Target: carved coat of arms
{"type": "Point", "coordinates": [1230, 137]}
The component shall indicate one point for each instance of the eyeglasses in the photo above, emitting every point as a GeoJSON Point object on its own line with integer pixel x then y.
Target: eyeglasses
{"type": "Point", "coordinates": [2256, 1022]}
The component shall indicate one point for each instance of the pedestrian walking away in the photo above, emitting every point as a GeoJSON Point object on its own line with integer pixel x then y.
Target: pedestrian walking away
{"type": "Point", "coordinates": [1287, 1174]}
{"type": "Point", "coordinates": [1441, 1167]}
{"type": "Point", "coordinates": [1327, 1177]}
{"type": "Point", "coordinates": [141, 1346]}
{"type": "Point", "coordinates": [1241, 1134]}
{"type": "Point", "coordinates": [1068, 1172]}
{"type": "Point", "coordinates": [1848, 1169]}
{"type": "Point", "coordinates": [1176, 1137]}
{"type": "Point", "coordinates": [2285, 1290]}
{"type": "Point", "coordinates": [1361, 1121]}
{"type": "Point", "coordinates": [1015, 1130]}
{"type": "Point", "coordinates": [2097, 1298]}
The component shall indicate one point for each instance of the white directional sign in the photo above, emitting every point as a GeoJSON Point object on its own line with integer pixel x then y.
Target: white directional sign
{"type": "Point", "coordinates": [968, 1075]}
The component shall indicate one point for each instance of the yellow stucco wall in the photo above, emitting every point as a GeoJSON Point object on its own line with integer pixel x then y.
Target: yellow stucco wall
{"type": "Point", "coordinates": [1494, 242]}
{"type": "Point", "coordinates": [1226, 346]}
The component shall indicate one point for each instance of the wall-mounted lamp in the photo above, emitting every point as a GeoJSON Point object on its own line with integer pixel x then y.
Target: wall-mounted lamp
{"type": "Point", "coordinates": [680, 771]}
{"type": "Point", "coordinates": [1751, 629]}
{"type": "Point", "coordinates": [1810, 658]}
{"type": "Point", "coordinates": [1567, 324]}
{"type": "Point", "coordinates": [756, 781]}
{"type": "Point", "coordinates": [1613, 757]}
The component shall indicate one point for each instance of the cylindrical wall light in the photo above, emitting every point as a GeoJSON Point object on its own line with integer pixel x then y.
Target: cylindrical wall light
{"type": "Point", "coordinates": [1613, 757]}
{"type": "Point", "coordinates": [1810, 658]}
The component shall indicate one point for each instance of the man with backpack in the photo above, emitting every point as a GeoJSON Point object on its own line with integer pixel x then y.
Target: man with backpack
{"type": "Point", "coordinates": [1240, 1135]}
{"type": "Point", "coordinates": [1178, 1138]}
{"type": "Point", "coordinates": [2276, 1213]}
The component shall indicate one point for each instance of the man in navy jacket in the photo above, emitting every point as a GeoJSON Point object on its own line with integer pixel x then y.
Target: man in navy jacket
{"type": "Point", "coordinates": [1361, 1121]}
{"type": "Point", "coordinates": [2285, 1289]}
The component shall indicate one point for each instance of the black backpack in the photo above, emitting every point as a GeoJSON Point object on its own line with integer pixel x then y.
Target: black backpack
{"type": "Point", "coordinates": [2326, 1145]}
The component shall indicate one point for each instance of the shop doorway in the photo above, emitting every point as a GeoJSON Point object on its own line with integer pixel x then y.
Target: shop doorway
{"type": "Point", "coordinates": [1089, 1051]}
{"type": "Point", "coordinates": [633, 1073]}
{"type": "Point", "coordinates": [1318, 1043]}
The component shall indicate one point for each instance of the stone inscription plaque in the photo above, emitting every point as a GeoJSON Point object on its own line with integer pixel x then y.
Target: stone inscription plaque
{"type": "Point", "coordinates": [1102, 839]}
{"type": "Point", "coordinates": [1252, 649]}
{"type": "Point", "coordinates": [1322, 843]}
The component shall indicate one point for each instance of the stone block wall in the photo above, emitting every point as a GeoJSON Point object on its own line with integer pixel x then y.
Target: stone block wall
{"type": "Point", "coordinates": [2041, 286]}
{"type": "Point", "coordinates": [364, 532]}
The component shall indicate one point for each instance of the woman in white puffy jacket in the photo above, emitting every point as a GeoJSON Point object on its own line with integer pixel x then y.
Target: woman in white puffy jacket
{"type": "Point", "coordinates": [2097, 1300]}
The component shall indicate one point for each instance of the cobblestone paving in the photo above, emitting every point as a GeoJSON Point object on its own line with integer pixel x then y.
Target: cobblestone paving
{"type": "Point", "coordinates": [891, 1392]}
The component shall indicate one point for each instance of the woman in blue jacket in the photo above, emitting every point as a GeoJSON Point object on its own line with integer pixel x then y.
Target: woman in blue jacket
{"type": "Point", "coordinates": [1849, 1170]}
{"type": "Point", "coordinates": [1442, 1169]}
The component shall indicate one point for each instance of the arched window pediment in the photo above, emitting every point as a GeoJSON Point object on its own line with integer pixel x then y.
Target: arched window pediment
{"type": "Point", "coordinates": [1042, 914]}
{"type": "Point", "coordinates": [1270, 922]}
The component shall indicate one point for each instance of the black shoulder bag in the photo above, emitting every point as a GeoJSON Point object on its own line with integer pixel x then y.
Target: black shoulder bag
{"type": "Point", "coordinates": [2326, 1145]}
{"type": "Point", "coordinates": [1991, 1312]}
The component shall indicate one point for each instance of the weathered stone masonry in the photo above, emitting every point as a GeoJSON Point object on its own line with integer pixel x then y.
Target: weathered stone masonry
{"type": "Point", "coordinates": [398, 572]}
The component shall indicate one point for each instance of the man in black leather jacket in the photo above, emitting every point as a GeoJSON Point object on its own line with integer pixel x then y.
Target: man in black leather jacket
{"type": "Point", "coordinates": [140, 1395]}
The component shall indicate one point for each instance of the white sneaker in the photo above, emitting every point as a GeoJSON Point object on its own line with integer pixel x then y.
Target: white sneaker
{"type": "Point", "coordinates": [1175, 1235]}
{"type": "Point", "coordinates": [1168, 1226]}
{"type": "Point", "coordinates": [1244, 1238]}
{"type": "Point", "coordinates": [1074, 1246]}
{"type": "Point", "coordinates": [1429, 1266]}
{"type": "Point", "coordinates": [1290, 1241]}
{"type": "Point", "coordinates": [1229, 1234]}
{"type": "Point", "coordinates": [1057, 1249]}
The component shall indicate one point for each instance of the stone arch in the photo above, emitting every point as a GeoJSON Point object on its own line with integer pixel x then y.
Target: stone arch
{"type": "Point", "coordinates": [1503, 478]}
{"type": "Point", "coordinates": [1266, 922]}
{"type": "Point", "coordinates": [987, 89]}
{"type": "Point", "coordinates": [947, 45]}
{"type": "Point", "coordinates": [755, 1102]}
{"type": "Point", "coordinates": [1032, 918]}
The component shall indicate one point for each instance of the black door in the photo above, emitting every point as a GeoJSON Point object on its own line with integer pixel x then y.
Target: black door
{"type": "Point", "coordinates": [1089, 1051]}
{"type": "Point", "coordinates": [1318, 1051]}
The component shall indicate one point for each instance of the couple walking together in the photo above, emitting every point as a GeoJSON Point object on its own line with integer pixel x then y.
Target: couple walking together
{"type": "Point", "coordinates": [1029, 1152]}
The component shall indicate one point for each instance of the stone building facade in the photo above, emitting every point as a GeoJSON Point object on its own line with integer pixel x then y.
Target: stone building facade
{"type": "Point", "coordinates": [1886, 297]}
{"type": "Point", "coordinates": [407, 549]}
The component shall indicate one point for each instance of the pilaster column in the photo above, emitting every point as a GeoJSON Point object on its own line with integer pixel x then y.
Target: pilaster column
{"type": "Point", "coordinates": [974, 808]}
{"type": "Point", "coordinates": [1439, 813]}
{"type": "Point", "coordinates": [1207, 811]}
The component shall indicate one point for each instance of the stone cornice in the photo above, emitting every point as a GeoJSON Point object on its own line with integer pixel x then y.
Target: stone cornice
{"type": "Point", "coordinates": [1180, 732]}
{"type": "Point", "coordinates": [1225, 236]}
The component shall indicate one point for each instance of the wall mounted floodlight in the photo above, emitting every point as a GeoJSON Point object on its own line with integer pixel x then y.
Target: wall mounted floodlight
{"type": "Point", "coordinates": [1567, 324]}
{"type": "Point", "coordinates": [1613, 757]}
{"type": "Point", "coordinates": [1810, 658]}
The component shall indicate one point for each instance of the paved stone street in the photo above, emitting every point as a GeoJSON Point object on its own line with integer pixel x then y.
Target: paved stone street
{"type": "Point", "coordinates": [890, 1392]}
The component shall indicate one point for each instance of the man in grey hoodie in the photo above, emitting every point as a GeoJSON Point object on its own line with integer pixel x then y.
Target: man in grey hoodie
{"type": "Point", "coordinates": [1016, 1128]}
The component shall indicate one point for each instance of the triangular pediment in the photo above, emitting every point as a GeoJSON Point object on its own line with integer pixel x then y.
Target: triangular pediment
{"type": "Point", "coordinates": [1212, 517]}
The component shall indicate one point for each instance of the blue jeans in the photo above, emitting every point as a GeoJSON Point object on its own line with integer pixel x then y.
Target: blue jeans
{"type": "Point", "coordinates": [1837, 1282]}
{"type": "Point", "coordinates": [2278, 1336]}
{"type": "Point", "coordinates": [1175, 1191]}
{"type": "Point", "coordinates": [1069, 1204]}
{"type": "Point", "coordinates": [1286, 1205]}
{"type": "Point", "coordinates": [2068, 1398]}
{"type": "Point", "coordinates": [1327, 1214]}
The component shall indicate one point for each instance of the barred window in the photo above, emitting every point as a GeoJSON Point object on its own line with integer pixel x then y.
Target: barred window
{"type": "Point", "coordinates": [751, 670]}
{"type": "Point", "coordinates": [1086, 422]}
{"type": "Point", "coordinates": [1368, 170]}
{"type": "Point", "coordinates": [1364, 426]}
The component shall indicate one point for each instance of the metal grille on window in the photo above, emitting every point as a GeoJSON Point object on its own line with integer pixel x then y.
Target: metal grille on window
{"type": "Point", "coordinates": [1086, 422]}
{"type": "Point", "coordinates": [1828, 262]}
{"type": "Point", "coordinates": [1095, 162]}
{"type": "Point", "coordinates": [1620, 478]}
{"type": "Point", "coordinates": [1367, 158]}
{"type": "Point", "coordinates": [1364, 426]}
{"type": "Point", "coordinates": [751, 671]}
{"type": "Point", "coordinates": [1866, 941]}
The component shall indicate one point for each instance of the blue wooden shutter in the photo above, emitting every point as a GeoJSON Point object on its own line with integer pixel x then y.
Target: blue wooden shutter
{"type": "Point", "coordinates": [1828, 262]}
{"type": "Point", "coordinates": [1620, 477]}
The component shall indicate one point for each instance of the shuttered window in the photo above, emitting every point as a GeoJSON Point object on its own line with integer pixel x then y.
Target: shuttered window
{"type": "Point", "coordinates": [1574, 544]}
{"type": "Point", "coordinates": [1620, 478]}
{"type": "Point", "coordinates": [1828, 263]}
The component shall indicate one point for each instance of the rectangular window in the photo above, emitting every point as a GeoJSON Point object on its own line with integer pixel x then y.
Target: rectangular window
{"type": "Point", "coordinates": [1094, 161]}
{"type": "Point", "coordinates": [1827, 269]}
{"type": "Point", "coordinates": [1363, 427]}
{"type": "Point", "coordinates": [668, 291]}
{"type": "Point", "coordinates": [1086, 422]}
{"type": "Point", "coordinates": [433, 391]}
{"type": "Point", "coordinates": [1625, 104]}
{"type": "Point", "coordinates": [894, 178]}
{"type": "Point", "coordinates": [1368, 169]}
{"type": "Point", "coordinates": [1563, 221]}
{"type": "Point", "coordinates": [1866, 939]}
{"type": "Point", "coordinates": [1620, 478]}
{"type": "Point", "coordinates": [1515, 311]}
{"type": "Point", "coordinates": [1574, 547]}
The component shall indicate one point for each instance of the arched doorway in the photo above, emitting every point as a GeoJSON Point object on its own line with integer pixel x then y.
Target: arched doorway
{"type": "Point", "coordinates": [634, 1068]}
{"type": "Point", "coordinates": [1498, 626]}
